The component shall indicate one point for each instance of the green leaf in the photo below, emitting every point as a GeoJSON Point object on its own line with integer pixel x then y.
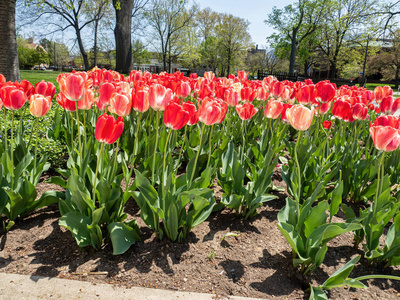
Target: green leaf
{"type": "Point", "coordinates": [336, 199]}
{"type": "Point", "coordinates": [122, 236]}
{"type": "Point", "coordinates": [316, 293]}
{"type": "Point", "coordinates": [338, 278]}
{"type": "Point", "coordinates": [316, 218]}
{"type": "Point", "coordinates": [78, 224]}
{"type": "Point", "coordinates": [171, 222]}
{"type": "Point", "coordinates": [229, 234]}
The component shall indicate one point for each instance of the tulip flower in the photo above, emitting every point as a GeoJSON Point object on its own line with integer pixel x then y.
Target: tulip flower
{"type": "Point", "coordinates": [231, 97]}
{"type": "Point", "coordinates": [140, 99]}
{"type": "Point", "coordinates": [87, 101]}
{"type": "Point", "coordinates": [175, 116]}
{"type": "Point", "coordinates": [325, 92]}
{"type": "Point", "coordinates": [371, 106]}
{"type": "Point", "coordinates": [28, 88]}
{"type": "Point", "coordinates": [246, 111]}
{"type": "Point", "coordinates": [360, 111]}
{"type": "Point", "coordinates": [108, 130]}
{"type": "Point", "coordinates": [105, 92]}
{"type": "Point", "coordinates": [273, 109]}
{"type": "Point", "coordinates": [212, 111]}
{"type": "Point", "coordinates": [2, 78]}
{"type": "Point", "coordinates": [300, 117]}
{"type": "Point", "coordinates": [121, 103]}
{"type": "Point", "coordinates": [391, 121]}
{"type": "Point", "coordinates": [191, 109]}
{"type": "Point", "coordinates": [159, 97]}
{"type": "Point", "coordinates": [285, 108]}
{"type": "Point", "coordinates": [277, 89]}
{"type": "Point", "coordinates": [306, 95]}
{"type": "Point", "coordinates": [388, 105]}
{"type": "Point", "coordinates": [386, 138]}
{"type": "Point", "coordinates": [327, 124]}
{"type": "Point", "coordinates": [12, 97]}
{"type": "Point", "coordinates": [72, 85]}
{"type": "Point", "coordinates": [183, 89]}
{"type": "Point", "coordinates": [342, 110]}
{"type": "Point", "coordinates": [65, 103]}
{"type": "Point", "coordinates": [377, 110]}
{"type": "Point", "coordinates": [382, 92]}
{"type": "Point", "coordinates": [242, 75]}
{"type": "Point", "coordinates": [39, 105]}
{"type": "Point", "coordinates": [323, 108]}
{"type": "Point", "coordinates": [46, 89]}
{"type": "Point", "coordinates": [248, 94]}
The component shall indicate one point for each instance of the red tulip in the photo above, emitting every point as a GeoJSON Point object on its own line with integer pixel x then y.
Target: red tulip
{"type": "Point", "coordinates": [386, 138]}
{"type": "Point", "coordinates": [39, 105]}
{"type": "Point", "coordinates": [46, 89]}
{"type": "Point", "coordinates": [2, 78]}
{"type": "Point", "coordinates": [246, 111]}
{"type": "Point", "coordinates": [204, 89]}
{"type": "Point", "coordinates": [12, 97]}
{"type": "Point", "coordinates": [72, 85]}
{"type": "Point", "coordinates": [327, 124]}
{"type": "Point", "coordinates": [231, 97]}
{"type": "Point", "coordinates": [284, 118]}
{"type": "Point", "coordinates": [248, 94]}
{"type": "Point", "coordinates": [191, 109]}
{"type": "Point", "coordinates": [140, 99]}
{"type": "Point", "coordinates": [360, 111]}
{"type": "Point", "coordinates": [135, 76]}
{"type": "Point", "coordinates": [87, 101]}
{"type": "Point", "coordinates": [273, 109]}
{"type": "Point", "coordinates": [65, 103]}
{"type": "Point", "coordinates": [277, 89]}
{"type": "Point", "coordinates": [28, 88]}
{"type": "Point", "coordinates": [121, 103]}
{"type": "Point", "coordinates": [183, 89]}
{"type": "Point", "coordinates": [382, 92]}
{"type": "Point", "coordinates": [105, 92]}
{"type": "Point", "coordinates": [159, 97]}
{"type": "Point", "coordinates": [212, 111]}
{"type": "Point", "coordinates": [300, 117]}
{"type": "Point", "coordinates": [325, 92]}
{"type": "Point", "coordinates": [108, 130]}
{"type": "Point", "coordinates": [377, 110]}
{"type": "Point", "coordinates": [306, 95]}
{"type": "Point", "coordinates": [342, 110]}
{"type": "Point", "coordinates": [262, 93]}
{"type": "Point", "coordinates": [389, 106]}
{"type": "Point", "coordinates": [242, 75]}
{"type": "Point", "coordinates": [391, 121]}
{"type": "Point", "coordinates": [371, 106]}
{"type": "Point", "coordinates": [323, 108]}
{"type": "Point", "coordinates": [175, 116]}
{"type": "Point", "coordinates": [100, 105]}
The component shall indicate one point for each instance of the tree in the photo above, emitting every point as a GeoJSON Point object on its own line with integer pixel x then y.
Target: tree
{"type": "Point", "coordinates": [337, 32]}
{"type": "Point", "coordinates": [9, 65]}
{"type": "Point", "coordinates": [139, 53]}
{"type": "Point", "coordinates": [295, 23]}
{"type": "Point", "coordinates": [125, 10]}
{"type": "Point", "coordinates": [387, 61]}
{"type": "Point", "coordinates": [233, 41]}
{"type": "Point", "coordinates": [28, 57]}
{"type": "Point", "coordinates": [58, 52]}
{"type": "Point", "coordinates": [167, 19]}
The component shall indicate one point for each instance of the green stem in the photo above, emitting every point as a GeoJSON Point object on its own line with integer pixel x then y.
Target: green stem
{"type": "Point", "coordinates": [78, 125]}
{"type": "Point", "coordinates": [12, 149]}
{"type": "Point", "coordinates": [134, 146]}
{"type": "Point", "coordinates": [209, 147]}
{"type": "Point", "coordinates": [181, 151]}
{"type": "Point", "coordinates": [298, 174]}
{"type": "Point", "coordinates": [72, 131]}
{"type": "Point", "coordinates": [377, 276]}
{"type": "Point", "coordinates": [228, 127]}
{"type": "Point", "coordinates": [379, 185]}
{"type": "Point", "coordinates": [36, 138]}
{"type": "Point", "coordinates": [197, 155]}
{"type": "Point", "coordinates": [243, 140]}
{"type": "Point", "coordinates": [317, 120]}
{"type": "Point", "coordinates": [97, 170]}
{"type": "Point", "coordinates": [155, 146]}
{"type": "Point", "coordinates": [115, 160]}
{"type": "Point", "coordinates": [5, 129]}
{"type": "Point", "coordinates": [84, 131]}
{"type": "Point", "coordinates": [163, 169]}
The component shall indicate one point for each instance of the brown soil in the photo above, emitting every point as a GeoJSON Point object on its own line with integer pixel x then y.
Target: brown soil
{"type": "Point", "coordinates": [255, 263]}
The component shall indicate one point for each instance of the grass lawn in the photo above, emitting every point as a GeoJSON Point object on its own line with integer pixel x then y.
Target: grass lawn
{"type": "Point", "coordinates": [36, 76]}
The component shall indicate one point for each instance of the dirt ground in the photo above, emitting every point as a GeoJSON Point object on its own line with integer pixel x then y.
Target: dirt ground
{"type": "Point", "coordinates": [255, 263]}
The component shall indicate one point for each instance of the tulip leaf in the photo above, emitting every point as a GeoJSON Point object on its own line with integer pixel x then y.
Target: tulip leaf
{"type": "Point", "coordinates": [316, 293]}
{"type": "Point", "coordinates": [78, 224]}
{"type": "Point", "coordinates": [337, 279]}
{"type": "Point", "coordinates": [122, 236]}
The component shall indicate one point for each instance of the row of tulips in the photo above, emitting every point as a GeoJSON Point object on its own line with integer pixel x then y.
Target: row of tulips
{"type": "Point", "coordinates": [230, 129]}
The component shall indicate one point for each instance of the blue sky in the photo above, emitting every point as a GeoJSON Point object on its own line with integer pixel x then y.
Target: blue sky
{"type": "Point", "coordinates": [252, 10]}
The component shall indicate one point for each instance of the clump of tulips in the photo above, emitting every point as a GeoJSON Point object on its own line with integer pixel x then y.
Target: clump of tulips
{"type": "Point", "coordinates": [163, 139]}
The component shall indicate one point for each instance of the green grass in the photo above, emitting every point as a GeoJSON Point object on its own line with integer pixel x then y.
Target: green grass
{"type": "Point", "coordinates": [372, 86]}
{"type": "Point", "coordinates": [36, 76]}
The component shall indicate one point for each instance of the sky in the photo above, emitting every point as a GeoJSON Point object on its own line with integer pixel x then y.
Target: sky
{"type": "Point", "coordinates": [255, 11]}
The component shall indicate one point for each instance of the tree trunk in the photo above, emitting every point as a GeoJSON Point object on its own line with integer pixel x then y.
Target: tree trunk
{"type": "Point", "coordinates": [81, 48]}
{"type": "Point", "coordinates": [122, 33]}
{"type": "Point", "coordinates": [96, 26]}
{"type": "Point", "coordinates": [332, 75]}
{"type": "Point", "coordinates": [9, 65]}
{"type": "Point", "coordinates": [292, 60]}
{"type": "Point", "coordinates": [396, 78]}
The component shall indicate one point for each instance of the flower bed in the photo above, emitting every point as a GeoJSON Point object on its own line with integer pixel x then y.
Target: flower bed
{"type": "Point", "coordinates": [217, 150]}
